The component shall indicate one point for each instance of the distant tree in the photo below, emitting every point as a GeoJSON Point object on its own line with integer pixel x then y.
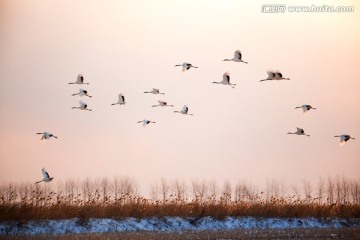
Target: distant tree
{"type": "Point", "coordinates": [226, 193]}
{"type": "Point", "coordinates": [105, 187]}
{"type": "Point", "coordinates": [70, 190]}
{"type": "Point", "coordinates": [213, 191]}
{"type": "Point", "coordinates": [355, 192]}
{"type": "Point", "coordinates": [165, 189]}
{"type": "Point", "coordinates": [116, 187]}
{"type": "Point", "coordinates": [307, 190]}
{"type": "Point", "coordinates": [296, 191]}
{"type": "Point", "coordinates": [199, 190]}
{"type": "Point", "coordinates": [320, 189]}
{"type": "Point", "coordinates": [179, 190]}
{"type": "Point", "coordinates": [88, 190]}
{"type": "Point", "coordinates": [330, 190]}
{"type": "Point", "coordinates": [154, 193]}
{"type": "Point", "coordinates": [24, 192]}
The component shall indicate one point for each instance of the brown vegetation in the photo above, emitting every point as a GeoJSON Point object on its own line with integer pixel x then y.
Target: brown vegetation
{"type": "Point", "coordinates": [119, 198]}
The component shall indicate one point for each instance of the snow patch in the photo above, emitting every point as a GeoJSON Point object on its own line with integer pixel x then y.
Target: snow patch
{"type": "Point", "coordinates": [166, 224]}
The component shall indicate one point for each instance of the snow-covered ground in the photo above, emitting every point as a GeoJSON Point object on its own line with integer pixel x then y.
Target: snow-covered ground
{"type": "Point", "coordinates": [166, 224]}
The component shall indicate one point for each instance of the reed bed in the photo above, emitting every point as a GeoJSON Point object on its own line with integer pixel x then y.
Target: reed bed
{"type": "Point", "coordinates": [120, 199]}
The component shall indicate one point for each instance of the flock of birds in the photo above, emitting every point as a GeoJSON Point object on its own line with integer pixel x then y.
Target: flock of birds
{"type": "Point", "coordinates": [272, 76]}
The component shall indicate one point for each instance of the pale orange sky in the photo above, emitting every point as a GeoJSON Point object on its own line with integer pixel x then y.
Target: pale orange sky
{"type": "Point", "coordinates": [132, 46]}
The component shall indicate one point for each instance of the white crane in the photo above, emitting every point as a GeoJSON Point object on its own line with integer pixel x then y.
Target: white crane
{"type": "Point", "coordinates": [79, 80]}
{"type": "Point", "coordinates": [274, 75]}
{"type": "Point", "coordinates": [185, 66]}
{"type": "Point", "coordinates": [83, 106]}
{"type": "Point", "coordinates": [278, 76]}
{"type": "Point", "coordinates": [121, 100]}
{"type": "Point", "coordinates": [162, 104]}
{"type": "Point", "coordinates": [155, 91]}
{"type": "Point", "coordinates": [46, 135]}
{"type": "Point", "coordinates": [46, 176]}
{"type": "Point", "coordinates": [226, 80]}
{"type": "Point", "coordinates": [306, 108]}
{"type": "Point", "coordinates": [184, 110]}
{"type": "Point", "coordinates": [299, 131]}
{"type": "Point", "coordinates": [271, 76]}
{"type": "Point", "coordinates": [145, 122]}
{"type": "Point", "coordinates": [82, 92]}
{"type": "Point", "coordinates": [237, 57]}
{"type": "Point", "coordinates": [344, 138]}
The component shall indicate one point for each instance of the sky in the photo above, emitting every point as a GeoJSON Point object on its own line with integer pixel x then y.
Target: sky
{"type": "Point", "coordinates": [132, 46]}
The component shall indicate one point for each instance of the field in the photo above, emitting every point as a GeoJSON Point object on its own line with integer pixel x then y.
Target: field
{"type": "Point", "coordinates": [175, 210]}
{"type": "Point", "coordinates": [302, 233]}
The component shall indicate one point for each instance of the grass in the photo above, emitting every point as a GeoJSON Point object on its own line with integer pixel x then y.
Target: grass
{"type": "Point", "coordinates": [143, 209]}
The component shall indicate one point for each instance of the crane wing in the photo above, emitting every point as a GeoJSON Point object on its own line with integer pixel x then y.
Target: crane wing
{"type": "Point", "coordinates": [270, 74]}
{"type": "Point", "coordinates": [226, 77]}
{"type": "Point", "coordinates": [237, 55]}
{"type": "Point", "coordinates": [82, 104]}
{"type": "Point", "coordinates": [121, 97]}
{"type": "Point", "coordinates": [80, 78]}
{"type": "Point", "coordinates": [45, 173]}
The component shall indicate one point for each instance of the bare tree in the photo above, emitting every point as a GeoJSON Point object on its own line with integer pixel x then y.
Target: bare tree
{"type": "Point", "coordinates": [307, 190]}
{"type": "Point", "coordinates": [164, 188]}
{"type": "Point", "coordinates": [77, 189]}
{"type": "Point", "coordinates": [199, 190]}
{"type": "Point", "coordinates": [338, 189]}
{"type": "Point", "coordinates": [88, 190]}
{"type": "Point", "coordinates": [154, 193]}
{"type": "Point", "coordinates": [70, 190]}
{"type": "Point", "coordinates": [274, 189]}
{"type": "Point", "coordinates": [355, 192]}
{"type": "Point", "coordinates": [10, 194]}
{"type": "Point", "coordinates": [330, 191]}
{"type": "Point", "coordinates": [105, 189]}
{"type": "Point", "coordinates": [213, 191]}
{"type": "Point", "coordinates": [243, 192]}
{"type": "Point", "coordinates": [320, 189]}
{"type": "Point", "coordinates": [128, 189]}
{"type": "Point", "coordinates": [226, 193]}
{"type": "Point", "coordinates": [296, 192]}
{"type": "Point", "coordinates": [24, 191]}
{"type": "Point", "coordinates": [60, 192]}
{"type": "Point", "coordinates": [179, 190]}
{"type": "Point", "coordinates": [116, 187]}
{"type": "Point", "coordinates": [345, 185]}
